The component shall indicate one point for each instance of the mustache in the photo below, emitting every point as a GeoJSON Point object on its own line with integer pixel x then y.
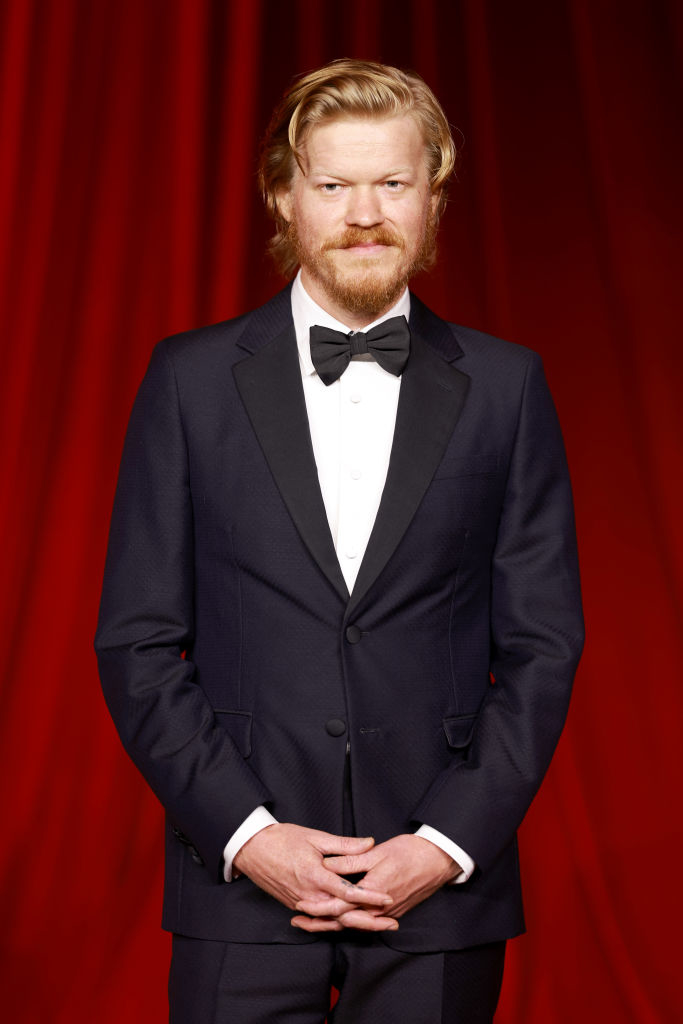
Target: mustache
{"type": "Point", "coordinates": [363, 236]}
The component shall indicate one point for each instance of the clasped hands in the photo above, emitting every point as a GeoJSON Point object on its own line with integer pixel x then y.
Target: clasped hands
{"type": "Point", "coordinates": [305, 868]}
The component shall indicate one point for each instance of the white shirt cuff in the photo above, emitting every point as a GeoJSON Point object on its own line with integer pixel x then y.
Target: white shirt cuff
{"type": "Point", "coordinates": [452, 849]}
{"type": "Point", "coordinates": [259, 819]}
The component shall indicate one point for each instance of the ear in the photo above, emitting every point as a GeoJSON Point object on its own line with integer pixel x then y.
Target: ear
{"type": "Point", "coordinates": [285, 203]}
{"type": "Point", "coordinates": [435, 202]}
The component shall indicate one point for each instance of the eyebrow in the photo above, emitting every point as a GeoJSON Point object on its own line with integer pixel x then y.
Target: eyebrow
{"type": "Point", "coordinates": [386, 175]}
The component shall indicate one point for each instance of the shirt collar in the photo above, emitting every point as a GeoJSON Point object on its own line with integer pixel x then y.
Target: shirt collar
{"type": "Point", "coordinates": [306, 313]}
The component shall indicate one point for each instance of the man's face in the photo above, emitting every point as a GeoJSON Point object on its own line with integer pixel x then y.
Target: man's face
{"type": "Point", "coordinates": [362, 217]}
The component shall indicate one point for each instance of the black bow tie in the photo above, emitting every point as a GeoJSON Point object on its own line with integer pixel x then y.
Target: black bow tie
{"type": "Point", "coordinates": [388, 343]}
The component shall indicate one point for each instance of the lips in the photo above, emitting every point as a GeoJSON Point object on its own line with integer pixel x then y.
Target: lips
{"type": "Point", "coordinates": [367, 245]}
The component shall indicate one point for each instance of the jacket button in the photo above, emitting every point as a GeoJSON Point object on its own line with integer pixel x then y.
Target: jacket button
{"type": "Point", "coordinates": [336, 727]}
{"type": "Point", "coordinates": [353, 634]}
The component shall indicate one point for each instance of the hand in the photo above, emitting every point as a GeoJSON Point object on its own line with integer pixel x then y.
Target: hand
{"type": "Point", "coordinates": [287, 861]}
{"type": "Point", "coordinates": [408, 867]}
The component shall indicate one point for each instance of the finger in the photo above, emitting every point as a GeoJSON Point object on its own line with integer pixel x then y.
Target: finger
{"type": "Point", "coordinates": [316, 924]}
{"type": "Point", "coordinates": [334, 907]}
{"type": "Point", "coordinates": [367, 922]}
{"type": "Point", "coordinates": [358, 892]}
{"type": "Point", "coordinates": [328, 843]}
{"type": "Point", "coordinates": [323, 908]}
{"type": "Point", "coordinates": [379, 878]}
{"type": "Point", "coordinates": [350, 864]}
{"type": "Point", "coordinates": [334, 886]}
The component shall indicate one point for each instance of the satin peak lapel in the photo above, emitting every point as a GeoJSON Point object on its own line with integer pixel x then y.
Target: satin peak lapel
{"type": "Point", "coordinates": [269, 382]}
{"type": "Point", "coordinates": [430, 402]}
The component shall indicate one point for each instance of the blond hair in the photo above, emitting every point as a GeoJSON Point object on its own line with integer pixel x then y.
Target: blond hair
{"type": "Point", "coordinates": [343, 88]}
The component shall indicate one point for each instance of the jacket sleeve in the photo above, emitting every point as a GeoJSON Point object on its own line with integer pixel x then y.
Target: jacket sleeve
{"type": "Point", "coordinates": [146, 626]}
{"type": "Point", "coordinates": [536, 642]}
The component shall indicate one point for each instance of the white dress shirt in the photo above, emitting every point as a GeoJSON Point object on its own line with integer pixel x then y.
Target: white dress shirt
{"type": "Point", "coordinates": [352, 428]}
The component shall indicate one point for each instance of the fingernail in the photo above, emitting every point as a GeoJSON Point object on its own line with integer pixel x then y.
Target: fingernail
{"type": "Point", "coordinates": [393, 927]}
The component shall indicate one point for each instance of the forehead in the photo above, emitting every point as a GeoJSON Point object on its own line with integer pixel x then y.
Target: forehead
{"type": "Point", "coordinates": [380, 143]}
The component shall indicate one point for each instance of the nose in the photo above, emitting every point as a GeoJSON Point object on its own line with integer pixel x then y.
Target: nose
{"type": "Point", "coordinates": [364, 207]}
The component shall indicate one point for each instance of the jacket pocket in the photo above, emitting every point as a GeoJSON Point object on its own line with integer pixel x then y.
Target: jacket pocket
{"type": "Point", "coordinates": [237, 724]}
{"type": "Point", "coordinates": [459, 731]}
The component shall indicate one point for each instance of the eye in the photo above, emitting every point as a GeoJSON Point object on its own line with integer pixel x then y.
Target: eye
{"type": "Point", "coordinates": [393, 185]}
{"type": "Point", "coordinates": [330, 187]}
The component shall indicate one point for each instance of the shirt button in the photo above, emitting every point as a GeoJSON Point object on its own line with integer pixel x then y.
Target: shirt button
{"type": "Point", "coordinates": [352, 554]}
{"type": "Point", "coordinates": [355, 398]}
{"type": "Point", "coordinates": [356, 474]}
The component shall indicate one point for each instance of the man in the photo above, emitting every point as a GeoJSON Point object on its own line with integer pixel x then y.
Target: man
{"type": "Point", "coordinates": [341, 610]}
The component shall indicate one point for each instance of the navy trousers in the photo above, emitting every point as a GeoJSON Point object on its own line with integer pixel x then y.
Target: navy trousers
{"type": "Point", "coordinates": [247, 983]}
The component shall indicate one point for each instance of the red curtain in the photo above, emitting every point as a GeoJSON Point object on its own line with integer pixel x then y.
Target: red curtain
{"type": "Point", "coordinates": [128, 210]}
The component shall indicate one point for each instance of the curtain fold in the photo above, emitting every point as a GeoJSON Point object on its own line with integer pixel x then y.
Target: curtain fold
{"type": "Point", "coordinates": [129, 210]}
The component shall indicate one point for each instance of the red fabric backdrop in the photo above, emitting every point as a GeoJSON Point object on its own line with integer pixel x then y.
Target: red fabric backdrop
{"type": "Point", "coordinates": [127, 211]}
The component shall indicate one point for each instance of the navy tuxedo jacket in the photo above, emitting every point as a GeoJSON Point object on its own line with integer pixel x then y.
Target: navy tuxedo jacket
{"type": "Point", "coordinates": [238, 669]}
